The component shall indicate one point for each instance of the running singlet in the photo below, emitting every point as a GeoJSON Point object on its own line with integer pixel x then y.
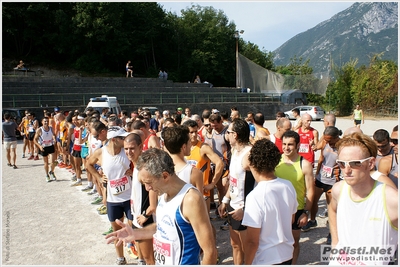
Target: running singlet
{"type": "Point", "coordinates": [146, 142]}
{"type": "Point", "coordinates": [237, 177]}
{"type": "Point", "coordinates": [197, 161]}
{"type": "Point", "coordinates": [357, 114]}
{"type": "Point", "coordinates": [114, 168]}
{"type": "Point", "coordinates": [277, 141]}
{"type": "Point", "coordinates": [305, 149]}
{"type": "Point", "coordinates": [369, 214]}
{"type": "Point", "coordinates": [394, 173]}
{"type": "Point", "coordinates": [46, 139]}
{"type": "Point", "coordinates": [174, 242]}
{"type": "Point", "coordinates": [294, 174]}
{"type": "Point", "coordinates": [379, 157]}
{"type": "Point", "coordinates": [185, 173]}
{"type": "Point", "coordinates": [77, 144]}
{"type": "Point", "coordinates": [329, 170]}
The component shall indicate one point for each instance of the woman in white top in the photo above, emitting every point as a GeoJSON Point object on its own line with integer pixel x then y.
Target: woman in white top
{"type": "Point", "coordinates": [241, 182]}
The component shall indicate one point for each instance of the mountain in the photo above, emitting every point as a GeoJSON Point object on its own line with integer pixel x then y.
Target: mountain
{"type": "Point", "coordinates": [360, 31]}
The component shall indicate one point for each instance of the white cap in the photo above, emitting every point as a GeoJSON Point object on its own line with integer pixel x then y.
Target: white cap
{"type": "Point", "coordinates": [116, 131]}
{"type": "Point", "coordinates": [215, 111]}
{"type": "Point", "coordinates": [165, 112]}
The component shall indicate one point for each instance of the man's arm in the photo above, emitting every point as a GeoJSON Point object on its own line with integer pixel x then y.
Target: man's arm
{"type": "Point", "coordinates": [196, 179]}
{"type": "Point", "coordinates": [392, 205]}
{"type": "Point", "coordinates": [385, 165]}
{"type": "Point", "coordinates": [332, 211]}
{"type": "Point", "coordinates": [309, 179]}
{"type": "Point", "coordinates": [195, 211]}
{"type": "Point", "coordinates": [252, 242]}
{"type": "Point", "coordinates": [36, 139]}
{"type": "Point", "coordinates": [207, 152]}
{"type": "Point", "coordinates": [91, 161]}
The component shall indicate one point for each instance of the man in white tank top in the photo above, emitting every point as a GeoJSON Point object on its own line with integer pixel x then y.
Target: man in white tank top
{"type": "Point", "coordinates": [182, 227]}
{"type": "Point", "coordinates": [115, 165]}
{"type": "Point", "coordinates": [177, 142]}
{"type": "Point", "coordinates": [363, 213]}
{"type": "Point", "coordinates": [45, 139]}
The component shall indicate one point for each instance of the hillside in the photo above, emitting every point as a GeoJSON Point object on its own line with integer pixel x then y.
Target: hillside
{"type": "Point", "coordinates": [360, 31]}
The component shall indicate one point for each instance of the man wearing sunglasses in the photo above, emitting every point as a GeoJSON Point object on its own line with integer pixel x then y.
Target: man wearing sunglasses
{"type": "Point", "coordinates": [388, 164]}
{"type": "Point", "coordinates": [363, 212]}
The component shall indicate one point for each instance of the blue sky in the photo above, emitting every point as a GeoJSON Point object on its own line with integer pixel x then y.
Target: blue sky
{"type": "Point", "coordinates": [269, 24]}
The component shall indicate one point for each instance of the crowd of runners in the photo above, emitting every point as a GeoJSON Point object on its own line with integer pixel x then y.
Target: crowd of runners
{"type": "Point", "coordinates": [154, 176]}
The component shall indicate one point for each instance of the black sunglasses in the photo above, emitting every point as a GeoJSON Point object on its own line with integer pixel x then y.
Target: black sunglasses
{"type": "Point", "coordinates": [394, 141]}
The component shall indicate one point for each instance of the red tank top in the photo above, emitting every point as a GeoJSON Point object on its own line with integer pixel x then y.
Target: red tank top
{"type": "Point", "coordinates": [146, 142]}
{"type": "Point", "coordinates": [305, 149]}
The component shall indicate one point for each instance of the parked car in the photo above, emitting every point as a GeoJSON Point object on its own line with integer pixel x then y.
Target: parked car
{"type": "Point", "coordinates": [316, 112]}
{"type": "Point", "coordinates": [16, 115]}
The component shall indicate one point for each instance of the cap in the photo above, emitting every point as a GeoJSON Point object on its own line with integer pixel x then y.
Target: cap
{"type": "Point", "coordinates": [215, 111]}
{"type": "Point", "coordinates": [180, 109]}
{"type": "Point", "coordinates": [165, 112]}
{"type": "Point", "coordinates": [56, 109]}
{"type": "Point", "coordinates": [116, 131]}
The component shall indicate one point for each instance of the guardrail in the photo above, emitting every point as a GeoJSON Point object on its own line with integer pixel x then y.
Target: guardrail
{"type": "Point", "coordinates": [134, 98]}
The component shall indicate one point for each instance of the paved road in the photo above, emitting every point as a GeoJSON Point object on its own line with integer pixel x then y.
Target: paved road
{"type": "Point", "coordinates": [55, 224]}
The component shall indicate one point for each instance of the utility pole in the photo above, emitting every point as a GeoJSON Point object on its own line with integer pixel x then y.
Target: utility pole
{"type": "Point", "coordinates": [237, 35]}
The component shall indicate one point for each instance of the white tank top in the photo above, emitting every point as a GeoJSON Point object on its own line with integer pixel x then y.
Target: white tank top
{"type": "Point", "coordinates": [114, 167]}
{"type": "Point", "coordinates": [46, 139]}
{"type": "Point", "coordinates": [364, 223]}
{"type": "Point", "coordinates": [236, 178]}
{"type": "Point", "coordinates": [185, 173]}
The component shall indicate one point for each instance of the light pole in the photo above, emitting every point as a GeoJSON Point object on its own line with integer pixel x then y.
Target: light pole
{"type": "Point", "coordinates": [237, 35]}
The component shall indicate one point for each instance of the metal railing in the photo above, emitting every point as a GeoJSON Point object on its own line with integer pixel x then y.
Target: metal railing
{"type": "Point", "coordinates": [134, 98]}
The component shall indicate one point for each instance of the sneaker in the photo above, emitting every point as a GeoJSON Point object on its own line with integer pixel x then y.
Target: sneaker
{"type": "Point", "coordinates": [73, 178]}
{"type": "Point", "coordinates": [77, 183]}
{"type": "Point", "coordinates": [92, 192]}
{"type": "Point", "coordinates": [95, 196]}
{"type": "Point", "coordinates": [31, 157]}
{"type": "Point", "coordinates": [15, 167]}
{"type": "Point", "coordinates": [61, 165]}
{"type": "Point", "coordinates": [323, 214]}
{"type": "Point", "coordinates": [329, 239]}
{"type": "Point", "coordinates": [224, 226]}
{"type": "Point", "coordinates": [48, 179]}
{"type": "Point", "coordinates": [141, 262]}
{"type": "Point", "coordinates": [99, 208]}
{"type": "Point", "coordinates": [87, 188]}
{"type": "Point", "coordinates": [36, 157]}
{"type": "Point", "coordinates": [68, 167]}
{"type": "Point", "coordinates": [23, 155]}
{"type": "Point", "coordinates": [52, 176]}
{"type": "Point", "coordinates": [109, 231]}
{"type": "Point", "coordinates": [310, 224]}
{"type": "Point", "coordinates": [121, 261]}
{"type": "Point", "coordinates": [97, 201]}
{"type": "Point", "coordinates": [131, 249]}
{"type": "Point", "coordinates": [103, 210]}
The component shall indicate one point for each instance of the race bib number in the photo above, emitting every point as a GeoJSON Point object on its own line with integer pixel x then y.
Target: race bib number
{"type": "Point", "coordinates": [47, 143]}
{"type": "Point", "coordinates": [233, 182]}
{"type": "Point", "coordinates": [162, 252]}
{"type": "Point", "coordinates": [119, 185]}
{"type": "Point", "coordinates": [327, 171]}
{"type": "Point", "coordinates": [76, 142]}
{"type": "Point", "coordinates": [304, 148]}
{"type": "Point", "coordinates": [30, 128]}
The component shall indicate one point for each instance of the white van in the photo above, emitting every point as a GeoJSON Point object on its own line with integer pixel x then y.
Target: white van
{"type": "Point", "coordinates": [105, 101]}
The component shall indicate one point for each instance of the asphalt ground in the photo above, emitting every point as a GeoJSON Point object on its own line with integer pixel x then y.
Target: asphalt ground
{"type": "Point", "coordinates": [55, 224]}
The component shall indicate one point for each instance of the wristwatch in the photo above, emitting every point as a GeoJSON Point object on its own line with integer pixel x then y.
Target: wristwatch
{"type": "Point", "coordinates": [306, 212]}
{"type": "Point", "coordinates": [144, 215]}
